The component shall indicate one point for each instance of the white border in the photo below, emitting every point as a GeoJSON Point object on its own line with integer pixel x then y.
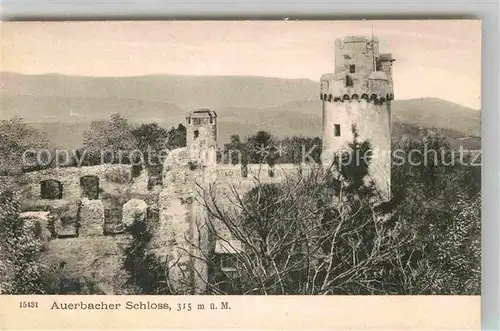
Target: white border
{"type": "Point", "coordinates": [488, 11]}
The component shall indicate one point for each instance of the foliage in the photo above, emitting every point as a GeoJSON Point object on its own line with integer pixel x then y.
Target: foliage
{"type": "Point", "coordinates": [152, 140]}
{"type": "Point", "coordinates": [58, 282]}
{"type": "Point", "coordinates": [16, 139]}
{"type": "Point", "coordinates": [85, 265]}
{"type": "Point", "coordinates": [439, 204]}
{"type": "Point", "coordinates": [155, 142]}
{"type": "Point", "coordinates": [146, 274]}
{"type": "Point", "coordinates": [118, 175]}
{"type": "Point", "coordinates": [263, 147]}
{"type": "Point", "coordinates": [109, 141]}
{"type": "Point", "coordinates": [177, 137]}
{"type": "Point", "coordinates": [299, 149]}
{"type": "Point", "coordinates": [328, 233]}
{"type": "Point", "coordinates": [20, 249]}
{"type": "Point", "coordinates": [323, 232]}
{"type": "Point", "coordinates": [315, 234]}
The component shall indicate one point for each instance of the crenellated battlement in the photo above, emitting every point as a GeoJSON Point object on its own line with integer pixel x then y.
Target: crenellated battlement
{"type": "Point", "coordinates": [376, 87]}
{"type": "Point", "coordinates": [361, 73]}
{"type": "Point", "coordinates": [358, 94]}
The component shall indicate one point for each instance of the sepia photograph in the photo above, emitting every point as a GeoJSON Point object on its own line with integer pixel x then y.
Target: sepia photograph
{"type": "Point", "coordinates": [287, 157]}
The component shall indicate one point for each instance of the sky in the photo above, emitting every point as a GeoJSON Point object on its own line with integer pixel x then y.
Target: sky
{"type": "Point", "coordinates": [434, 58]}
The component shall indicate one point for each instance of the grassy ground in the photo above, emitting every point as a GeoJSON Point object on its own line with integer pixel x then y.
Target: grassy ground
{"type": "Point", "coordinates": [91, 265]}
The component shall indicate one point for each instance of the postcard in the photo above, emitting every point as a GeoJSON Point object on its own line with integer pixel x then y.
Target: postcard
{"type": "Point", "coordinates": [255, 174]}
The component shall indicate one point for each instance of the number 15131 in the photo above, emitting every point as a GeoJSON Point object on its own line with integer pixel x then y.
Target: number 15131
{"type": "Point", "coordinates": [28, 304]}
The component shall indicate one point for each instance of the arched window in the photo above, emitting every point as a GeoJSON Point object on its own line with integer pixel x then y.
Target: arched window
{"type": "Point", "coordinates": [196, 134]}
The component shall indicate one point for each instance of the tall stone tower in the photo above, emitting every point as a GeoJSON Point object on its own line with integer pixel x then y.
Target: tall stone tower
{"type": "Point", "coordinates": [202, 137]}
{"type": "Point", "coordinates": [358, 95]}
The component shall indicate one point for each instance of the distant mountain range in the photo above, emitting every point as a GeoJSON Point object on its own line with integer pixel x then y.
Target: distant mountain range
{"type": "Point", "coordinates": [64, 106]}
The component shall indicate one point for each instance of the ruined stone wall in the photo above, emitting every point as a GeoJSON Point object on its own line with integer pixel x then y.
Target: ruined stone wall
{"type": "Point", "coordinates": [78, 251]}
{"type": "Point", "coordinates": [171, 240]}
{"type": "Point", "coordinates": [229, 185]}
{"type": "Point", "coordinates": [70, 178]}
{"type": "Point", "coordinates": [264, 172]}
{"type": "Point", "coordinates": [73, 224]}
{"type": "Point", "coordinates": [182, 238]}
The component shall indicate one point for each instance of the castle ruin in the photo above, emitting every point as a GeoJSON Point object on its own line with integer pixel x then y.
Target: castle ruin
{"type": "Point", "coordinates": [356, 97]}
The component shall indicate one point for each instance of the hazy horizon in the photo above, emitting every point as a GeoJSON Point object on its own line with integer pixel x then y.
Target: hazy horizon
{"type": "Point", "coordinates": [440, 59]}
{"type": "Point", "coordinates": [166, 74]}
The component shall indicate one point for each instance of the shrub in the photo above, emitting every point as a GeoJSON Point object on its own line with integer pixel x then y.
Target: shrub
{"type": "Point", "coordinates": [118, 175]}
{"type": "Point", "coordinates": [20, 248]}
{"type": "Point", "coordinates": [146, 274]}
{"type": "Point", "coordinates": [136, 170]}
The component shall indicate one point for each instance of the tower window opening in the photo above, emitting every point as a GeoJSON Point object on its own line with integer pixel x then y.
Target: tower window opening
{"type": "Point", "coordinates": [196, 133]}
{"type": "Point", "coordinates": [211, 120]}
{"type": "Point", "coordinates": [352, 68]}
{"type": "Point", "coordinates": [337, 130]}
{"type": "Point", "coordinates": [189, 120]}
{"type": "Point", "coordinates": [348, 81]}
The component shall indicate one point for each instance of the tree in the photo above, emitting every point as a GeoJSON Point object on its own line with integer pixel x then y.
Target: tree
{"type": "Point", "coordinates": [152, 140]}
{"type": "Point", "coordinates": [20, 248]}
{"type": "Point", "coordinates": [236, 151]}
{"type": "Point", "coordinates": [146, 274]}
{"type": "Point", "coordinates": [262, 147]}
{"type": "Point", "coordinates": [177, 137]}
{"type": "Point", "coordinates": [155, 142]}
{"type": "Point", "coordinates": [150, 136]}
{"type": "Point", "coordinates": [300, 149]}
{"type": "Point", "coordinates": [320, 233]}
{"type": "Point", "coordinates": [109, 141]}
{"type": "Point", "coordinates": [259, 148]}
{"type": "Point", "coordinates": [439, 204]}
{"type": "Point", "coordinates": [16, 139]}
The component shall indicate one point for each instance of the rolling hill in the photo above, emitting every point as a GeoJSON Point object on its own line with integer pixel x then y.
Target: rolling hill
{"type": "Point", "coordinates": [63, 106]}
{"type": "Point", "coordinates": [186, 91]}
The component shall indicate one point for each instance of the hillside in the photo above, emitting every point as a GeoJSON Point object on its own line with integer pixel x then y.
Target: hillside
{"type": "Point", "coordinates": [63, 106]}
{"type": "Point", "coordinates": [186, 91]}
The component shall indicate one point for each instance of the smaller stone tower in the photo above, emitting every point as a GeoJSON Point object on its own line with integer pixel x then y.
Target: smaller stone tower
{"type": "Point", "coordinates": [202, 137]}
{"type": "Point", "coordinates": [201, 141]}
